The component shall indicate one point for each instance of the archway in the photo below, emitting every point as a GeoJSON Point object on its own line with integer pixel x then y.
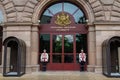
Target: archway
{"type": "Point", "coordinates": [111, 56]}
{"type": "Point", "coordinates": [63, 34]}
{"type": "Point", "coordinates": [80, 3]}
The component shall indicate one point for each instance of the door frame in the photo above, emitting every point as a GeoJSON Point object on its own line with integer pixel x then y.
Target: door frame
{"type": "Point", "coordinates": [65, 66]}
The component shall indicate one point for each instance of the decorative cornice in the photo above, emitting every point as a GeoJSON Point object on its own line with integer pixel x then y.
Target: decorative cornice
{"type": "Point", "coordinates": [90, 24]}
{"type": "Point", "coordinates": [19, 24]}
{"type": "Point", "coordinates": [107, 23]}
{"type": "Point", "coordinates": [37, 24]}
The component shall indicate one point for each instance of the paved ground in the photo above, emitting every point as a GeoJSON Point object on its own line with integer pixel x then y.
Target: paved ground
{"type": "Point", "coordinates": [67, 75]}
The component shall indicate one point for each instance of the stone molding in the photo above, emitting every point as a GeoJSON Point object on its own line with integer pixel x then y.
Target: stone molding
{"type": "Point", "coordinates": [19, 24]}
{"type": "Point", "coordinates": [107, 23]}
{"type": "Point", "coordinates": [115, 11]}
{"type": "Point", "coordinates": [97, 9]}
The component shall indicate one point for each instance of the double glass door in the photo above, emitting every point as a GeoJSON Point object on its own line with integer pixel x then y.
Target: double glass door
{"type": "Point", "coordinates": [63, 49]}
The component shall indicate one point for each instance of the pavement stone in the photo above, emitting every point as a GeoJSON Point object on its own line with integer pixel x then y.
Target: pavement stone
{"type": "Point", "coordinates": [60, 75]}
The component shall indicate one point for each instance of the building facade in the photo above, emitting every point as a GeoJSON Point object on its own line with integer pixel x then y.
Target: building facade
{"type": "Point", "coordinates": [63, 28]}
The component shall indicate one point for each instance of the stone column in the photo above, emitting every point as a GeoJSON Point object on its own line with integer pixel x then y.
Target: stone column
{"type": "Point", "coordinates": [100, 37]}
{"type": "Point", "coordinates": [34, 48]}
{"type": "Point", "coordinates": [91, 48]}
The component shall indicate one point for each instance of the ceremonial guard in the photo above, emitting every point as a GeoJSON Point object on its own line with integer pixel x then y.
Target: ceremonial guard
{"type": "Point", "coordinates": [82, 60]}
{"type": "Point", "coordinates": [44, 59]}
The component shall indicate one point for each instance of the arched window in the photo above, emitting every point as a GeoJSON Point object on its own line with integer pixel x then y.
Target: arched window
{"type": "Point", "coordinates": [66, 7]}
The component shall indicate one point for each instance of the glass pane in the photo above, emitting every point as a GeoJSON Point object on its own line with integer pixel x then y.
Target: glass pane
{"type": "Point", "coordinates": [48, 13]}
{"type": "Point", "coordinates": [78, 16]}
{"type": "Point", "coordinates": [45, 19]}
{"type": "Point", "coordinates": [68, 43]}
{"type": "Point", "coordinates": [81, 20]}
{"type": "Point", "coordinates": [81, 42]}
{"type": "Point", "coordinates": [57, 58]}
{"type": "Point", "coordinates": [77, 58]}
{"type": "Point", "coordinates": [56, 8]}
{"type": "Point", "coordinates": [70, 8]}
{"type": "Point", "coordinates": [68, 59]}
{"type": "Point", "coordinates": [57, 43]}
{"type": "Point", "coordinates": [44, 42]}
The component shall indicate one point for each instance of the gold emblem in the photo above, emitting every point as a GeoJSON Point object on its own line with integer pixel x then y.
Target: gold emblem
{"type": "Point", "coordinates": [62, 19]}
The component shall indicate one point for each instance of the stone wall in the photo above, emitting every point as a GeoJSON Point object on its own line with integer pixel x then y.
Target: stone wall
{"type": "Point", "coordinates": [103, 31]}
{"type": "Point", "coordinates": [20, 17]}
{"type": "Point", "coordinates": [22, 10]}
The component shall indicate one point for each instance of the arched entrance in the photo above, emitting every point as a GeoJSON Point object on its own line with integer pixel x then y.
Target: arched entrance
{"type": "Point", "coordinates": [14, 57]}
{"type": "Point", "coordinates": [111, 56]}
{"type": "Point", "coordinates": [63, 34]}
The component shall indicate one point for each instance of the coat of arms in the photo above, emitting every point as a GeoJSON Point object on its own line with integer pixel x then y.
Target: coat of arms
{"type": "Point", "coordinates": [63, 19]}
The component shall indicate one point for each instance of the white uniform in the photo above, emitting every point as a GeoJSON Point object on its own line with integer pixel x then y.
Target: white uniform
{"type": "Point", "coordinates": [44, 57]}
{"type": "Point", "coordinates": [82, 57]}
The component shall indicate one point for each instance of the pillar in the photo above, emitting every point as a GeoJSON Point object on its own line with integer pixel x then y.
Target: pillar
{"type": "Point", "coordinates": [91, 48]}
{"type": "Point", "coordinates": [34, 48]}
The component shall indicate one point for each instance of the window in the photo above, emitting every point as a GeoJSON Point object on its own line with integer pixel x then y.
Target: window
{"type": "Point", "coordinates": [63, 7]}
{"type": "Point", "coordinates": [44, 42]}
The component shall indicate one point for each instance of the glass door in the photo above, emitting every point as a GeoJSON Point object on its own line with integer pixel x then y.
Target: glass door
{"type": "Point", "coordinates": [63, 49]}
